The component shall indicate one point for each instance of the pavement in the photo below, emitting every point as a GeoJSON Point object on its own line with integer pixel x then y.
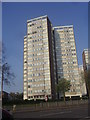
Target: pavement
{"type": "Point", "coordinates": [77, 112]}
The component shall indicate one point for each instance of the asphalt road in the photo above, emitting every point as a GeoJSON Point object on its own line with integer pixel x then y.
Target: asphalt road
{"type": "Point", "coordinates": [80, 112]}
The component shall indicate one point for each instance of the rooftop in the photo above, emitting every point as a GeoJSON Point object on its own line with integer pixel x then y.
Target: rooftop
{"type": "Point", "coordinates": [60, 27]}
{"type": "Point", "coordinates": [37, 18]}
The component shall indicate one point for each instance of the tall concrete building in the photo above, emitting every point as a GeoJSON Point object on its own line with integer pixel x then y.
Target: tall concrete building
{"type": "Point", "coordinates": [86, 59]}
{"type": "Point", "coordinates": [49, 54]}
{"type": "Point", "coordinates": [86, 63]}
{"type": "Point", "coordinates": [39, 60]}
{"type": "Point", "coordinates": [66, 58]}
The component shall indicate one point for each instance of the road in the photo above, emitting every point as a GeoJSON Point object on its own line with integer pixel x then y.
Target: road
{"type": "Point", "coordinates": [72, 112]}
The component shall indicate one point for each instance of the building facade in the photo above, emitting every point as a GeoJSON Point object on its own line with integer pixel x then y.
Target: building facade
{"type": "Point", "coordinates": [86, 59]}
{"type": "Point", "coordinates": [66, 58]}
{"type": "Point", "coordinates": [39, 60]}
{"type": "Point", "coordinates": [86, 63]}
{"type": "Point", "coordinates": [49, 55]}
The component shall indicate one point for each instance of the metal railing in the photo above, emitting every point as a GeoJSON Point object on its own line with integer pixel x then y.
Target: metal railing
{"type": "Point", "coordinates": [45, 105]}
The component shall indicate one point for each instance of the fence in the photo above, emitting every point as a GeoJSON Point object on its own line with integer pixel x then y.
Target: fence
{"type": "Point", "coordinates": [45, 105]}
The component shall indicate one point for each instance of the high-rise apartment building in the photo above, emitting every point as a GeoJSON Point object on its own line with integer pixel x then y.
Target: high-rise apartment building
{"type": "Point", "coordinates": [66, 58]}
{"type": "Point", "coordinates": [86, 63]}
{"type": "Point", "coordinates": [86, 59]}
{"type": "Point", "coordinates": [49, 54]}
{"type": "Point", "coordinates": [39, 60]}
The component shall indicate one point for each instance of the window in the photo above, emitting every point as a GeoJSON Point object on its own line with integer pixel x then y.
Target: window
{"type": "Point", "coordinates": [29, 86]}
{"type": "Point", "coordinates": [34, 32]}
{"type": "Point", "coordinates": [31, 24]}
{"type": "Point", "coordinates": [39, 27]}
{"type": "Point", "coordinates": [30, 37]}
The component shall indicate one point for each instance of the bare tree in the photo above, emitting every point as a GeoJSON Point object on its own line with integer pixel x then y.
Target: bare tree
{"type": "Point", "coordinates": [7, 74]}
{"type": "Point", "coordinates": [87, 79]}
